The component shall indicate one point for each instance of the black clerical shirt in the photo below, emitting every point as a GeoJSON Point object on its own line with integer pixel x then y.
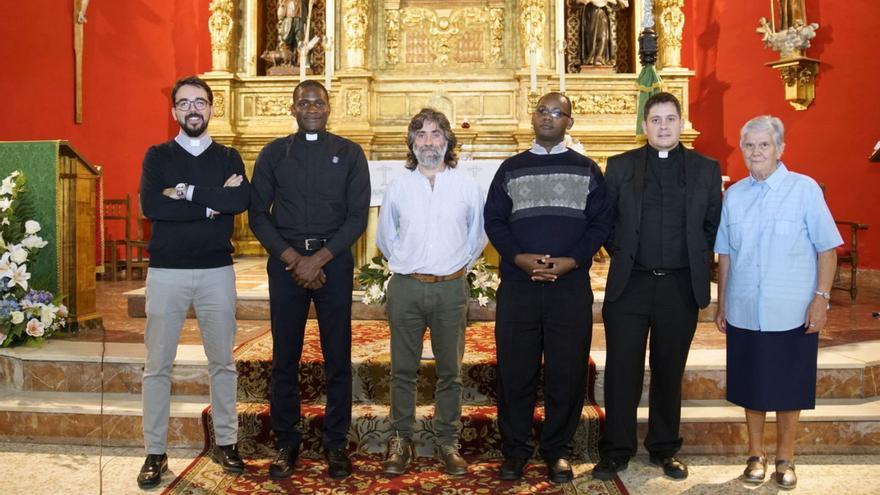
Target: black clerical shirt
{"type": "Point", "coordinates": [662, 243]}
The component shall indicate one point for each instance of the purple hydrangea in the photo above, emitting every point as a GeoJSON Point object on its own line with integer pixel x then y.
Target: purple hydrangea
{"type": "Point", "coordinates": [7, 306]}
{"type": "Point", "coordinates": [38, 297]}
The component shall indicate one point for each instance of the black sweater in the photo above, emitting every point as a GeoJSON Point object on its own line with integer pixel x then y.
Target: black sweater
{"type": "Point", "coordinates": [547, 204]}
{"type": "Point", "coordinates": [182, 234]}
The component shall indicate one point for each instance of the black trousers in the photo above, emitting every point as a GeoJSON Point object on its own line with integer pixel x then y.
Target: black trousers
{"type": "Point", "coordinates": [553, 320]}
{"type": "Point", "coordinates": [289, 307]}
{"type": "Point", "coordinates": [660, 308]}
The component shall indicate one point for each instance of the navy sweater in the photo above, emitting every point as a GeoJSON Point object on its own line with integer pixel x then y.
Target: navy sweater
{"type": "Point", "coordinates": [182, 234]}
{"type": "Point", "coordinates": [547, 204]}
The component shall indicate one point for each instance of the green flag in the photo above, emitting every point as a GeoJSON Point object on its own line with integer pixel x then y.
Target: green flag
{"type": "Point", "coordinates": [649, 84]}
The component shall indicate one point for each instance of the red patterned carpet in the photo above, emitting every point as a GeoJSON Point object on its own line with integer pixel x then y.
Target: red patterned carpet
{"type": "Point", "coordinates": [480, 439]}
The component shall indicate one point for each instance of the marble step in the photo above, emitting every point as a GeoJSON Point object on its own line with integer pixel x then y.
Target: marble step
{"type": "Point", "coordinates": [846, 371]}
{"type": "Point", "coordinates": [708, 426]}
{"type": "Point", "coordinates": [254, 305]}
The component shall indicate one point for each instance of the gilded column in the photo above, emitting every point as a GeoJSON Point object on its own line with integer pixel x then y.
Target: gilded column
{"type": "Point", "coordinates": [531, 23]}
{"type": "Point", "coordinates": [355, 16]}
{"type": "Point", "coordinates": [671, 25]}
{"type": "Point", "coordinates": [220, 25]}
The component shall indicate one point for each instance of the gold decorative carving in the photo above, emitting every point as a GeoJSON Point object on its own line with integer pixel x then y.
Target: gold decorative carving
{"type": "Point", "coordinates": [392, 36]}
{"type": "Point", "coordinates": [603, 103]}
{"type": "Point", "coordinates": [799, 76]}
{"type": "Point", "coordinates": [671, 26]}
{"type": "Point", "coordinates": [496, 20]}
{"type": "Point", "coordinates": [219, 106]}
{"type": "Point", "coordinates": [353, 103]}
{"type": "Point", "coordinates": [272, 106]}
{"type": "Point", "coordinates": [431, 38]}
{"type": "Point", "coordinates": [220, 26]}
{"type": "Point", "coordinates": [531, 26]}
{"type": "Point", "coordinates": [355, 20]}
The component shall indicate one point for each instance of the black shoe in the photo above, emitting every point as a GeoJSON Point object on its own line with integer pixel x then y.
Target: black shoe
{"type": "Point", "coordinates": [282, 466]}
{"type": "Point", "coordinates": [559, 471]}
{"type": "Point", "coordinates": [228, 458]}
{"type": "Point", "coordinates": [672, 467]}
{"type": "Point", "coordinates": [338, 464]}
{"type": "Point", "coordinates": [608, 467]}
{"type": "Point", "coordinates": [512, 468]}
{"type": "Point", "coordinates": [151, 471]}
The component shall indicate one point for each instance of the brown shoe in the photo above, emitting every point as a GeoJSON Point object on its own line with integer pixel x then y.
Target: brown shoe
{"type": "Point", "coordinates": [453, 462]}
{"type": "Point", "coordinates": [400, 453]}
{"type": "Point", "coordinates": [756, 469]}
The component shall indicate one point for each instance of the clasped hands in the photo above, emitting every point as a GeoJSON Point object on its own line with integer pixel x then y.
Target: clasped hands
{"type": "Point", "coordinates": [543, 267]}
{"type": "Point", "coordinates": [307, 271]}
{"type": "Point", "coordinates": [234, 180]}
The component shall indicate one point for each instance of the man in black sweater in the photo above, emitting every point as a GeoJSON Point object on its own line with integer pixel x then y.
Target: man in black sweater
{"type": "Point", "coordinates": [191, 189]}
{"type": "Point", "coordinates": [310, 202]}
{"type": "Point", "coordinates": [546, 214]}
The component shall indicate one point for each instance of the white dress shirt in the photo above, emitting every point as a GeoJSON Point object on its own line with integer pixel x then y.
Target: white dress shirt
{"type": "Point", "coordinates": [428, 230]}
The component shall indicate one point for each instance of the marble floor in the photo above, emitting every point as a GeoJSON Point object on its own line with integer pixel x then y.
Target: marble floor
{"type": "Point", "coordinates": [78, 470]}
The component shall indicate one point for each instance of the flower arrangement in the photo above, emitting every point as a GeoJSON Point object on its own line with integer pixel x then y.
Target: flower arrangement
{"type": "Point", "coordinates": [27, 315]}
{"type": "Point", "coordinates": [374, 277]}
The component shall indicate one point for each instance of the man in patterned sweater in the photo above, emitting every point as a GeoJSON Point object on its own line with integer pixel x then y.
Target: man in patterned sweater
{"type": "Point", "coordinates": [546, 214]}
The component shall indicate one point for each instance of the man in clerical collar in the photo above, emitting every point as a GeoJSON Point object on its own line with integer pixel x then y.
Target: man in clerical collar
{"type": "Point", "coordinates": [311, 195]}
{"type": "Point", "coordinates": [191, 190]}
{"type": "Point", "coordinates": [431, 231]}
{"type": "Point", "coordinates": [668, 204]}
{"type": "Point", "coordinates": [547, 214]}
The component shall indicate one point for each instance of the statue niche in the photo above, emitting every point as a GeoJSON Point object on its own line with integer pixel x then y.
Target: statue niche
{"type": "Point", "coordinates": [597, 34]}
{"type": "Point", "coordinates": [288, 24]}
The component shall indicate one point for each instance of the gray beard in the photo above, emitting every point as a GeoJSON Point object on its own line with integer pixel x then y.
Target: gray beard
{"type": "Point", "coordinates": [430, 158]}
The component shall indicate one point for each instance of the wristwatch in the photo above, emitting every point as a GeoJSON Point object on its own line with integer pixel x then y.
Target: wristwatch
{"type": "Point", "coordinates": [825, 295]}
{"type": "Point", "coordinates": [180, 190]}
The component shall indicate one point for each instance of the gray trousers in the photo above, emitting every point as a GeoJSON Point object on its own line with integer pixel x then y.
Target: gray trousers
{"type": "Point", "coordinates": [442, 307]}
{"type": "Point", "coordinates": [170, 293]}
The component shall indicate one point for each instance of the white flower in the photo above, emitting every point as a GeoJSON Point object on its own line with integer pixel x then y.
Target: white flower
{"type": "Point", "coordinates": [17, 317]}
{"type": "Point", "coordinates": [4, 264]}
{"type": "Point", "coordinates": [33, 241]}
{"type": "Point", "coordinates": [7, 186]}
{"type": "Point", "coordinates": [2, 338]}
{"type": "Point", "coordinates": [62, 311]}
{"type": "Point", "coordinates": [17, 254]}
{"type": "Point", "coordinates": [5, 221]}
{"type": "Point", "coordinates": [483, 301]}
{"type": "Point", "coordinates": [15, 173]}
{"type": "Point", "coordinates": [34, 328]}
{"type": "Point", "coordinates": [47, 315]}
{"type": "Point", "coordinates": [18, 275]}
{"type": "Point", "coordinates": [32, 227]}
{"type": "Point", "coordinates": [5, 203]}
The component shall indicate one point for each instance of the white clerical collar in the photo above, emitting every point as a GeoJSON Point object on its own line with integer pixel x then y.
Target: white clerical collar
{"type": "Point", "coordinates": [311, 136]}
{"type": "Point", "coordinates": [195, 146]}
{"type": "Point", "coordinates": [555, 150]}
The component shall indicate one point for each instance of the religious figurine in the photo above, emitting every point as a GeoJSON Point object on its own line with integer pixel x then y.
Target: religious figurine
{"type": "Point", "coordinates": [596, 43]}
{"type": "Point", "coordinates": [790, 12]}
{"type": "Point", "coordinates": [291, 24]}
{"type": "Point", "coordinates": [81, 15]}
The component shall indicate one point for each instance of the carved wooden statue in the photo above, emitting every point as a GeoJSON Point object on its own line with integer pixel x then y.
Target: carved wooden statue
{"type": "Point", "coordinates": [790, 12]}
{"type": "Point", "coordinates": [596, 41]}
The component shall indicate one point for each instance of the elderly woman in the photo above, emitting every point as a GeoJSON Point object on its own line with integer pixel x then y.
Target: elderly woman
{"type": "Point", "coordinates": [776, 264]}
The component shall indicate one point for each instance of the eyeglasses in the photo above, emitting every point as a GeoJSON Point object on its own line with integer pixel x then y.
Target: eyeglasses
{"type": "Point", "coordinates": [555, 113]}
{"type": "Point", "coordinates": [184, 105]}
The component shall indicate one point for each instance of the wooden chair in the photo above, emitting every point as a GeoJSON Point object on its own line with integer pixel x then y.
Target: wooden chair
{"type": "Point", "coordinates": [140, 258]}
{"type": "Point", "coordinates": [117, 210]}
{"type": "Point", "coordinates": [848, 254]}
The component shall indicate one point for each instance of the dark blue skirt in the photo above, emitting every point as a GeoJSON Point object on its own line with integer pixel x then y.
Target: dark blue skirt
{"type": "Point", "coordinates": [772, 371]}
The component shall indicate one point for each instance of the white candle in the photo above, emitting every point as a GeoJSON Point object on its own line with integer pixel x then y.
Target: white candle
{"type": "Point", "coordinates": [648, 20]}
{"type": "Point", "coordinates": [533, 68]}
{"type": "Point", "coordinates": [560, 43]}
{"type": "Point", "coordinates": [329, 36]}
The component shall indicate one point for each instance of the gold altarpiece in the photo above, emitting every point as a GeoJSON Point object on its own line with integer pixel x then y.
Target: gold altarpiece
{"type": "Point", "coordinates": [481, 61]}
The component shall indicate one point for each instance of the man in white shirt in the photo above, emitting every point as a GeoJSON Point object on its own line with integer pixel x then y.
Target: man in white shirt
{"type": "Point", "coordinates": [431, 231]}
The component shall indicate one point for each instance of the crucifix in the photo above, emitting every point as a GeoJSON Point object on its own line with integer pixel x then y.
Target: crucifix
{"type": "Point", "coordinates": [79, 19]}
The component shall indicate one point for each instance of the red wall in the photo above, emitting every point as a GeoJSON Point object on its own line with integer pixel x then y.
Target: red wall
{"type": "Point", "coordinates": [832, 139]}
{"type": "Point", "coordinates": [136, 49]}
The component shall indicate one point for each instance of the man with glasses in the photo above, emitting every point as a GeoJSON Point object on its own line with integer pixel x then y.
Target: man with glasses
{"type": "Point", "coordinates": [546, 214]}
{"type": "Point", "coordinates": [310, 202]}
{"type": "Point", "coordinates": [667, 200]}
{"type": "Point", "coordinates": [191, 189]}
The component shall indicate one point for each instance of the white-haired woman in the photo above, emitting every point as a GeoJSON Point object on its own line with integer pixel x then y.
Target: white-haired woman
{"type": "Point", "coordinates": [776, 264]}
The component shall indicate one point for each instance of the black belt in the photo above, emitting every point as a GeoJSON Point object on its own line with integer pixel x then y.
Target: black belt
{"type": "Point", "coordinates": [308, 244]}
{"type": "Point", "coordinates": [660, 272]}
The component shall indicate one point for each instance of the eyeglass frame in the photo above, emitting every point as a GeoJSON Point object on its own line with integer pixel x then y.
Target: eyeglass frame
{"type": "Point", "coordinates": [556, 113]}
{"type": "Point", "coordinates": [194, 103]}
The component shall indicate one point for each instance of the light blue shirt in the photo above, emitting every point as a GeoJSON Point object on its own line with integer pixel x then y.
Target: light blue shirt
{"type": "Point", "coordinates": [427, 230]}
{"type": "Point", "coordinates": [773, 231]}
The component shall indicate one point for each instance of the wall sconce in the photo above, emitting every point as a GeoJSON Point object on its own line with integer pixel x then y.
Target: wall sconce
{"type": "Point", "coordinates": [790, 39]}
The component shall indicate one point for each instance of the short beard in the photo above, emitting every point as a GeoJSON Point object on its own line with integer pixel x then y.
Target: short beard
{"type": "Point", "coordinates": [198, 131]}
{"type": "Point", "coordinates": [430, 158]}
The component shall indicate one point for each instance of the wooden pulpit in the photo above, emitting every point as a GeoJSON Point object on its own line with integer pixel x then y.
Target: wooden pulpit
{"type": "Point", "coordinates": [62, 189]}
